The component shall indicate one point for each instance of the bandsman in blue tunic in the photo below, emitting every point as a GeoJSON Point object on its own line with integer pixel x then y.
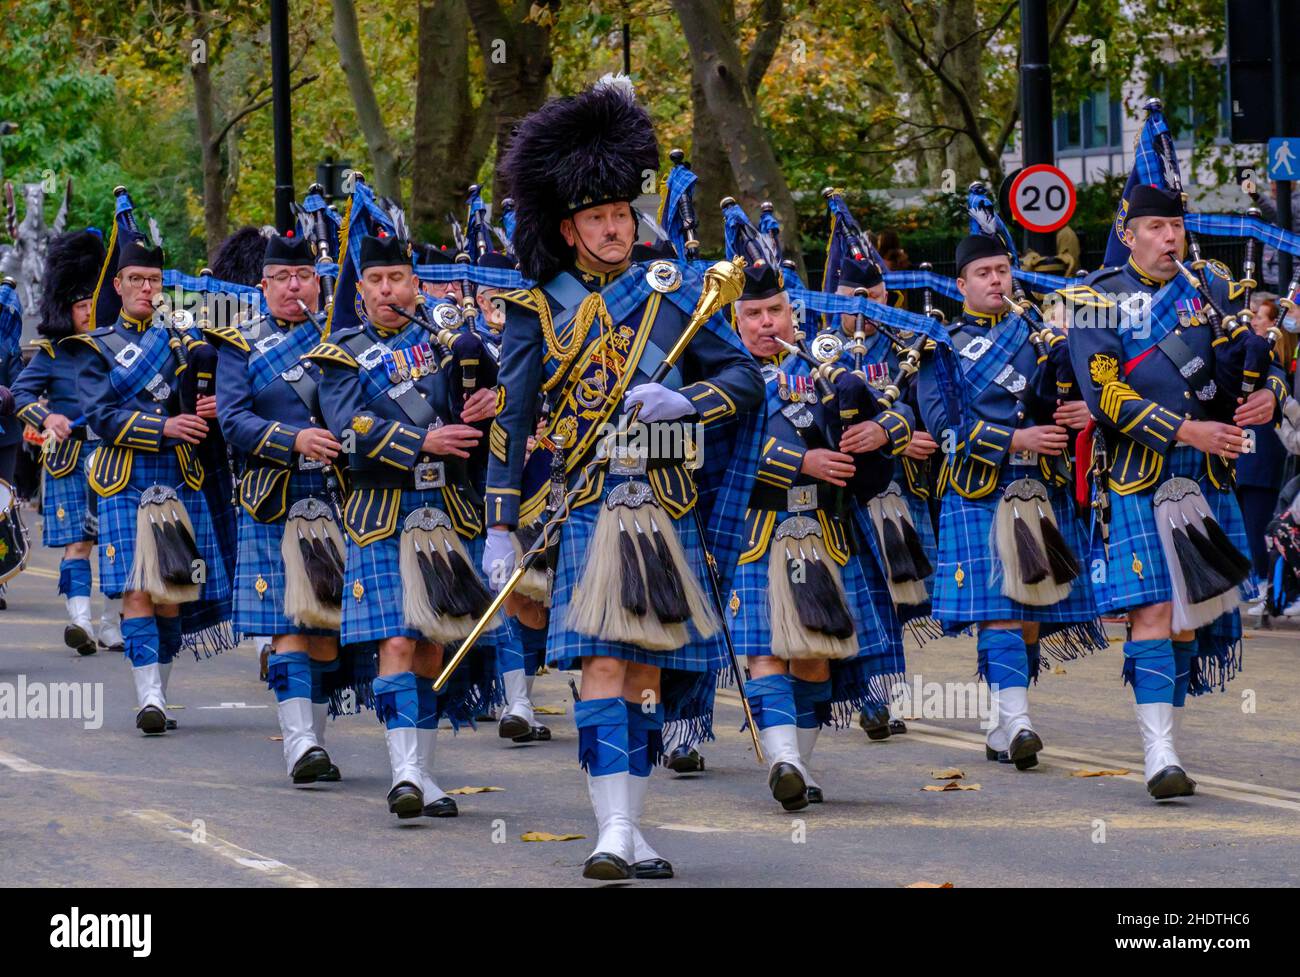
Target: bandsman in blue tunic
{"type": "Point", "coordinates": [157, 546]}
{"type": "Point", "coordinates": [906, 501]}
{"type": "Point", "coordinates": [410, 583]}
{"type": "Point", "coordinates": [13, 557]}
{"type": "Point", "coordinates": [46, 396]}
{"type": "Point", "coordinates": [808, 585]}
{"type": "Point", "coordinates": [628, 604]}
{"type": "Point", "coordinates": [521, 642]}
{"type": "Point", "coordinates": [289, 580]}
{"type": "Point", "coordinates": [1010, 545]}
{"type": "Point", "coordinates": [1170, 405]}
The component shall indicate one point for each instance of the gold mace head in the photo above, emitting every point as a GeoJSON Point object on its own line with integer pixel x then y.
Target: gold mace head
{"type": "Point", "coordinates": [723, 283]}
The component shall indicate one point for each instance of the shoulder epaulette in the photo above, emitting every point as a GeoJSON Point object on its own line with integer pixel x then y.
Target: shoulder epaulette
{"type": "Point", "coordinates": [46, 345]}
{"type": "Point", "coordinates": [84, 337]}
{"type": "Point", "coordinates": [1085, 295]}
{"type": "Point", "coordinates": [331, 353]}
{"type": "Point", "coordinates": [1094, 277]}
{"type": "Point", "coordinates": [228, 334]}
{"type": "Point", "coordinates": [528, 298]}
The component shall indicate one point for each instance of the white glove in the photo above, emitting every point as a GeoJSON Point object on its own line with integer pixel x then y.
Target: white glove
{"type": "Point", "coordinates": [658, 403]}
{"type": "Point", "coordinates": [498, 558]}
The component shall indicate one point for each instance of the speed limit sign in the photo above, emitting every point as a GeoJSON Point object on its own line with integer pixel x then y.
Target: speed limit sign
{"type": "Point", "coordinates": [1042, 198]}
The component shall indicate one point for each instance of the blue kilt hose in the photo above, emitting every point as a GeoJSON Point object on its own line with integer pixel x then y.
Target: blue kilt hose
{"type": "Point", "coordinates": [63, 503]}
{"type": "Point", "coordinates": [259, 559]}
{"type": "Point", "coordinates": [373, 611]}
{"type": "Point", "coordinates": [1068, 629]}
{"type": "Point", "coordinates": [1137, 574]}
{"type": "Point", "coordinates": [204, 625]}
{"type": "Point", "coordinates": [855, 682]}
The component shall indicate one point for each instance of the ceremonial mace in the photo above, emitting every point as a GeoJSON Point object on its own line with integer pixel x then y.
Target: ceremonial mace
{"type": "Point", "coordinates": [723, 283]}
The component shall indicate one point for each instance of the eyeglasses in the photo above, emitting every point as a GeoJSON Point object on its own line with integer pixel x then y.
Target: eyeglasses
{"type": "Point", "coordinates": [304, 276]}
{"type": "Point", "coordinates": [140, 281]}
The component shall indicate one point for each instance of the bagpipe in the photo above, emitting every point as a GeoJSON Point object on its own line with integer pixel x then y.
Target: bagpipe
{"type": "Point", "coordinates": [318, 223]}
{"type": "Point", "coordinates": [1241, 357]}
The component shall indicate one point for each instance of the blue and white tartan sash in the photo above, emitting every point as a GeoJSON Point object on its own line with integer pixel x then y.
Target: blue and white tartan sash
{"type": "Point", "coordinates": [1005, 339]}
{"type": "Point", "coordinates": [155, 352]}
{"type": "Point", "coordinates": [264, 367]}
{"type": "Point", "coordinates": [1142, 328]}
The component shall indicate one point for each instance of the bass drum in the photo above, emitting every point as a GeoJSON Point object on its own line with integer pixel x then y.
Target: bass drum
{"type": "Point", "coordinates": [13, 535]}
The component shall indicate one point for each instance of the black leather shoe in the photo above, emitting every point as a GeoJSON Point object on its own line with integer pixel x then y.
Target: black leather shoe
{"type": "Point", "coordinates": [151, 721]}
{"type": "Point", "coordinates": [512, 726]}
{"type": "Point", "coordinates": [685, 760]}
{"type": "Point", "coordinates": [310, 766]}
{"type": "Point", "coordinates": [406, 801]}
{"type": "Point", "coordinates": [875, 722]}
{"type": "Point", "coordinates": [330, 776]}
{"type": "Point", "coordinates": [1024, 749]}
{"type": "Point", "coordinates": [262, 656]}
{"type": "Point", "coordinates": [75, 636]}
{"type": "Point", "coordinates": [443, 807]}
{"type": "Point", "coordinates": [117, 649]}
{"type": "Point", "coordinates": [897, 727]}
{"type": "Point", "coordinates": [788, 786]}
{"type": "Point", "coordinates": [814, 795]}
{"type": "Point", "coordinates": [653, 868]}
{"type": "Point", "coordinates": [170, 724]}
{"type": "Point", "coordinates": [1000, 756]}
{"type": "Point", "coordinates": [537, 734]}
{"type": "Point", "coordinates": [604, 867]}
{"type": "Point", "coordinates": [1171, 782]}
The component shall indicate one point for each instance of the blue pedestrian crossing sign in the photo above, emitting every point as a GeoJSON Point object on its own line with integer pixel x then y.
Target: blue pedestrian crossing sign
{"type": "Point", "coordinates": [1284, 158]}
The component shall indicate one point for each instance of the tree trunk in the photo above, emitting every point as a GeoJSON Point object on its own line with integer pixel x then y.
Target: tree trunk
{"type": "Point", "coordinates": [451, 137]}
{"type": "Point", "coordinates": [517, 64]}
{"type": "Point", "coordinates": [722, 74]}
{"type": "Point", "coordinates": [352, 59]}
{"type": "Point", "coordinates": [214, 173]}
{"type": "Point", "coordinates": [919, 108]}
{"type": "Point", "coordinates": [709, 161]}
{"type": "Point", "coordinates": [956, 19]}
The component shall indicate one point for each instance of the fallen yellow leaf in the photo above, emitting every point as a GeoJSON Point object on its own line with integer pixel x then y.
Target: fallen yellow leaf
{"type": "Point", "coordinates": [1058, 670]}
{"type": "Point", "coordinates": [951, 785]}
{"type": "Point", "coordinates": [928, 885]}
{"type": "Point", "coordinates": [548, 710]}
{"type": "Point", "coordinates": [276, 739]}
{"type": "Point", "coordinates": [1100, 773]}
{"type": "Point", "coordinates": [947, 773]}
{"type": "Point", "coordinates": [474, 790]}
{"type": "Point", "coordinates": [547, 836]}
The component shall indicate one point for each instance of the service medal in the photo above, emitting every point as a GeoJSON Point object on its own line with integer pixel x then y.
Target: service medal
{"type": "Point", "coordinates": [390, 367]}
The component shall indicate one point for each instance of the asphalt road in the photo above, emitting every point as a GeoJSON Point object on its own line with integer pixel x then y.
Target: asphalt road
{"type": "Point", "coordinates": [210, 805]}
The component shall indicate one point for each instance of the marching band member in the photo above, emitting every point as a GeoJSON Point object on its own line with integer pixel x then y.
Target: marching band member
{"type": "Point", "coordinates": [1008, 539]}
{"type": "Point", "coordinates": [1149, 367]}
{"type": "Point", "coordinates": [411, 513]}
{"type": "Point", "coordinates": [803, 611]}
{"type": "Point", "coordinates": [289, 578]}
{"type": "Point", "coordinates": [71, 272]}
{"type": "Point", "coordinates": [628, 603]}
{"type": "Point", "coordinates": [158, 549]}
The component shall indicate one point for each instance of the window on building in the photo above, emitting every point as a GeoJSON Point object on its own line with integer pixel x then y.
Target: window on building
{"type": "Point", "coordinates": [1095, 123]}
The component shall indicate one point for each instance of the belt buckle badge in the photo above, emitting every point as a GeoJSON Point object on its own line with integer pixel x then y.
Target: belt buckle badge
{"type": "Point", "coordinates": [801, 498]}
{"type": "Point", "coordinates": [430, 475]}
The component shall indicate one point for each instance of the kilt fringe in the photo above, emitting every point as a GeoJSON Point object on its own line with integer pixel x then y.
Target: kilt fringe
{"type": "Point", "coordinates": [211, 640]}
{"type": "Point", "coordinates": [688, 704]}
{"type": "Point", "coordinates": [924, 628]}
{"type": "Point", "coordinates": [850, 695]}
{"type": "Point", "coordinates": [356, 673]}
{"type": "Point", "coordinates": [1075, 641]}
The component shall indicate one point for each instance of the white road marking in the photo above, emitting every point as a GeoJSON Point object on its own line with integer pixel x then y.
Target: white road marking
{"type": "Point", "coordinates": [698, 829]}
{"type": "Point", "coordinates": [235, 705]}
{"type": "Point", "coordinates": [1069, 758]}
{"type": "Point", "coordinates": [18, 765]}
{"type": "Point", "coordinates": [180, 831]}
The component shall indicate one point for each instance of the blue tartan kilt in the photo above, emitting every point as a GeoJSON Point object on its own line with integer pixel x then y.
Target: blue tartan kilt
{"type": "Point", "coordinates": [219, 490]}
{"type": "Point", "coordinates": [259, 559]}
{"type": "Point", "coordinates": [566, 648]}
{"type": "Point", "coordinates": [919, 509]}
{"type": "Point", "coordinates": [374, 570]}
{"type": "Point", "coordinates": [1137, 574]}
{"type": "Point", "coordinates": [866, 677]}
{"type": "Point", "coordinates": [63, 503]}
{"type": "Point", "coordinates": [966, 541]}
{"type": "Point", "coordinates": [117, 519]}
